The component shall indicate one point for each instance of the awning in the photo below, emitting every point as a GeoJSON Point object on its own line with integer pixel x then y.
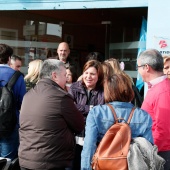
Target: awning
{"type": "Point", "coordinates": [69, 4]}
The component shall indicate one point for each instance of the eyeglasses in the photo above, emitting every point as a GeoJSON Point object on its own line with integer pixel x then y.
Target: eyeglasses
{"type": "Point", "coordinates": [140, 66]}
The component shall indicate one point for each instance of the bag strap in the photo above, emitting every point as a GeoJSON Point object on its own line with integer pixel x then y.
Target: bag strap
{"type": "Point", "coordinates": [13, 79]}
{"type": "Point", "coordinates": [130, 116]}
{"type": "Point", "coordinates": [113, 111]}
{"type": "Point", "coordinates": [138, 97]}
{"type": "Point", "coordinates": [115, 116]}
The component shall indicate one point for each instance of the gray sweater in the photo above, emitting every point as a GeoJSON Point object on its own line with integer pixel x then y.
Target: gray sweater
{"type": "Point", "coordinates": [143, 156]}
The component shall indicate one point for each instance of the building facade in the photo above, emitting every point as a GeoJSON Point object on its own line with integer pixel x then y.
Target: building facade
{"type": "Point", "coordinates": [35, 27]}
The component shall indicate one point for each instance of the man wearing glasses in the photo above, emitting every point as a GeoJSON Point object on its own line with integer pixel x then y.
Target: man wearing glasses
{"type": "Point", "coordinates": [156, 103]}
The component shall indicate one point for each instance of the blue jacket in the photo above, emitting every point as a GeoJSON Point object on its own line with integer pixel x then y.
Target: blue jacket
{"type": "Point", "coordinates": [100, 119]}
{"type": "Point", "coordinates": [19, 88]}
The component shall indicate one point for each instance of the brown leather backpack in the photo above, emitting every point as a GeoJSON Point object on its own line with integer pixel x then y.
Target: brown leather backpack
{"type": "Point", "coordinates": [112, 151]}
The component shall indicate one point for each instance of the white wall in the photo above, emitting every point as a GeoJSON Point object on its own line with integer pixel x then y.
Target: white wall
{"type": "Point", "coordinates": [158, 23]}
{"type": "Point", "coordinates": [158, 20]}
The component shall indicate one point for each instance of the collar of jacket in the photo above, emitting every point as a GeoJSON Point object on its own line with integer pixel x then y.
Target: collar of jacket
{"type": "Point", "coordinates": [49, 81]}
{"type": "Point", "coordinates": [82, 89]}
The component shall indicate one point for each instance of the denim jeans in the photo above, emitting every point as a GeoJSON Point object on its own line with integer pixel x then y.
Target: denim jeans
{"type": "Point", "coordinates": [9, 145]}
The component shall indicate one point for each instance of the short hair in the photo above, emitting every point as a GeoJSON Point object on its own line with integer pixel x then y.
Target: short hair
{"type": "Point", "coordinates": [118, 88]}
{"type": "Point", "coordinates": [96, 64]}
{"type": "Point", "coordinates": [34, 71]}
{"type": "Point", "coordinates": [49, 66]}
{"type": "Point", "coordinates": [5, 52]}
{"type": "Point", "coordinates": [16, 57]}
{"type": "Point", "coordinates": [95, 56]}
{"type": "Point", "coordinates": [153, 58]}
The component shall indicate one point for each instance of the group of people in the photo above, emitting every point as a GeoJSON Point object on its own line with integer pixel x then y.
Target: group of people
{"type": "Point", "coordinates": [63, 118]}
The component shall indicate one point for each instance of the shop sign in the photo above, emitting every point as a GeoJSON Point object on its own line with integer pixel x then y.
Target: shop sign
{"type": "Point", "coordinates": [162, 44]}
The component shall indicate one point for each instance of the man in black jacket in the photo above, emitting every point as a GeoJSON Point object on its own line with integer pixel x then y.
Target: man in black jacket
{"type": "Point", "coordinates": [48, 121]}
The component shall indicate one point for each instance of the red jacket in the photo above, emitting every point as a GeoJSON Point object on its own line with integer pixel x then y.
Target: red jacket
{"type": "Point", "coordinates": [157, 104]}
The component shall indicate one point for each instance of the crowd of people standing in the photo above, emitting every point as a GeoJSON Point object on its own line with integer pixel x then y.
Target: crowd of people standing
{"type": "Point", "coordinates": [61, 118]}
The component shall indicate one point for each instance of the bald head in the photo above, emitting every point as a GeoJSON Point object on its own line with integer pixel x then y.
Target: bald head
{"type": "Point", "coordinates": [63, 51]}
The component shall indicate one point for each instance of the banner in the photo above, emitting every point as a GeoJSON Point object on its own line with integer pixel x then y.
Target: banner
{"type": "Point", "coordinates": [139, 81]}
{"type": "Point", "coordinates": [162, 44]}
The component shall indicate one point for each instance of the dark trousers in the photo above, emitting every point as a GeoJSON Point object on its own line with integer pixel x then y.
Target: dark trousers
{"type": "Point", "coordinates": [166, 156]}
{"type": "Point", "coordinates": [77, 158]}
{"type": "Point", "coordinates": [49, 169]}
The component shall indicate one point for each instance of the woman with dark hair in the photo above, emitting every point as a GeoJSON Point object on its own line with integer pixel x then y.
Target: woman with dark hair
{"type": "Point", "coordinates": [118, 92]}
{"type": "Point", "coordinates": [87, 93]}
{"type": "Point", "coordinates": [93, 56]}
{"type": "Point", "coordinates": [71, 77]}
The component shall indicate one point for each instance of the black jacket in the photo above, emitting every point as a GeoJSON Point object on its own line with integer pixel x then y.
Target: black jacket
{"type": "Point", "coordinates": [48, 121]}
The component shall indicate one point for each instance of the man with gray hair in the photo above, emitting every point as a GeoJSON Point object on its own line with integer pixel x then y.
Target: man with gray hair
{"type": "Point", "coordinates": [49, 120]}
{"type": "Point", "coordinates": [16, 62]}
{"type": "Point", "coordinates": [157, 100]}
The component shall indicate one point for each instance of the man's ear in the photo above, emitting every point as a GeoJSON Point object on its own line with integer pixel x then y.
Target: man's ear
{"type": "Point", "coordinates": [148, 67]}
{"type": "Point", "coordinates": [54, 76]}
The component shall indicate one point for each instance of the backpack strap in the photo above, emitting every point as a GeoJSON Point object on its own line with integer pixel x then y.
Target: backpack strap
{"type": "Point", "coordinates": [113, 111]}
{"type": "Point", "coordinates": [115, 116]}
{"type": "Point", "coordinates": [130, 116]}
{"type": "Point", "coordinates": [13, 79]}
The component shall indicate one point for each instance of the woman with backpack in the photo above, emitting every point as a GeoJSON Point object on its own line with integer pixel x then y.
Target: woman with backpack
{"type": "Point", "coordinates": [118, 93]}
